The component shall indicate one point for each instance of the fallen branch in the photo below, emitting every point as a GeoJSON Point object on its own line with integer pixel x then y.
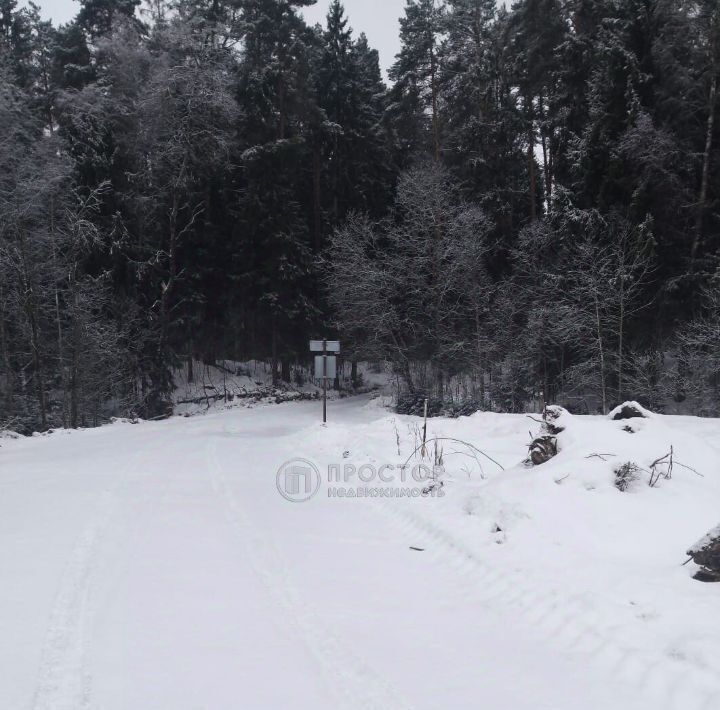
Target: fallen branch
{"type": "Point", "coordinates": [599, 456]}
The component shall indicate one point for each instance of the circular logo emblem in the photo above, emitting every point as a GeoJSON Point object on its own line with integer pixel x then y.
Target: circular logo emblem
{"type": "Point", "coordinates": [298, 480]}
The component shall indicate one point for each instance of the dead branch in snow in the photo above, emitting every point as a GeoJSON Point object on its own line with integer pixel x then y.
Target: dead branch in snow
{"type": "Point", "coordinates": [600, 456]}
{"type": "Point", "coordinates": [689, 468]}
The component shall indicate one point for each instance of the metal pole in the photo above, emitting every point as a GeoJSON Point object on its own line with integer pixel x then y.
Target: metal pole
{"type": "Point", "coordinates": [422, 453]}
{"type": "Point", "coordinates": [324, 381]}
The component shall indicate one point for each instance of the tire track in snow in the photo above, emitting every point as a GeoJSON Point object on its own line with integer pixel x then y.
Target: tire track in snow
{"type": "Point", "coordinates": [354, 685]}
{"type": "Point", "coordinates": [563, 621]}
{"type": "Point", "coordinates": [64, 682]}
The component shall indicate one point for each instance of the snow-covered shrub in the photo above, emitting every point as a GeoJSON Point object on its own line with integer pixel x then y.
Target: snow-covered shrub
{"type": "Point", "coordinates": [542, 449]}
{"type": "Point", "coordinates": [414, 404]}
{"type": "Point", "coordinates": [626, 474]}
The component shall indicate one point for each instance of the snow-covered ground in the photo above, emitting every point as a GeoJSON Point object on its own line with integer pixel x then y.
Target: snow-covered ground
{"type": "Point", "coordinates": [156, 566]}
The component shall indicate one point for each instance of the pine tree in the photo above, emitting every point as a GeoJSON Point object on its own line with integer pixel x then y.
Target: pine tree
{"type": "Point", "coordinates": [72, 64]}
{"type": "Point", "coordinates": [469, 74]}
{"type": "Point", "coordinates": [213, 20]}
{"type": "Point", "coordinates": [537, 29]}
{"type": "Point", "coordinates": [485, 136]}
{"type": "Point", "coordinates": [415, 101]}
{"type": "Point", "coordinates": [16, 41]}
{"type": "Point", "coordinates": [708, 23]}
{"type": "Point", "coordinates": [96, 16]}
{"type": "Point", "coordinates": [42, 51]}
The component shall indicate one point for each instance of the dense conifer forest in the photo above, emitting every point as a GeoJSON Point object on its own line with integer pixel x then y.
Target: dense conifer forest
{"type": "Point", "coordinates": [527, 212]}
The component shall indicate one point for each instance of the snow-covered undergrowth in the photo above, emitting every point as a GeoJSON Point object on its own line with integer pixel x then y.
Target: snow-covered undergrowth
{"type": "Point", "coordinates": [229, 384]}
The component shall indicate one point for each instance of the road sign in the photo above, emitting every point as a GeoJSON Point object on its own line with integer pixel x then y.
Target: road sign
{"type": "Point", "coordinates": [327, 369]}
{"type": "Point", "coordinates": [325, 365]}
{"type": "Point", "coordinates": [329, 346]}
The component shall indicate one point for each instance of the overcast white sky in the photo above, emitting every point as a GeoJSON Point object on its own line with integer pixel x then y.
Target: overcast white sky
{"type": "Point", "coordinates": [378, 19]}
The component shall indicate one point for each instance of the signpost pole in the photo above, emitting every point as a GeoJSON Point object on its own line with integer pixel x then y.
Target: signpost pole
{"type": "Point", "coordinates": [324, 381]}
{"type": "Point", "coordinates": [325, 365]}
{"type": "Point", "coordinates": [422, 452]}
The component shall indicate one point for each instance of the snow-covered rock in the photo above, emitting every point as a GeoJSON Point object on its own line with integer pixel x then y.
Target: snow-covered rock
{"type": "Point", "coordinates": [706, 553]}
{"type": "Point", "coordinates": [630, 410]}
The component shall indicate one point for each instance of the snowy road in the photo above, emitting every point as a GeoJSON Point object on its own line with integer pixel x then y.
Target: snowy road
{"type": "Point", "coordinates": [155, 566]}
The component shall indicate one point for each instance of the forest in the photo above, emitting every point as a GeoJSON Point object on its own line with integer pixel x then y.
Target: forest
{"type": "Point", "coordinates": [526, 212]}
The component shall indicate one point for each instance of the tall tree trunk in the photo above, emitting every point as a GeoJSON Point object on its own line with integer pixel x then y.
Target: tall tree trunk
{"type": "Point", "coordinates": [407, 376]}
{"type": "Point", "coordinates": [160, 370]}
{"type": "Point", "coordinates": [169, 285]}
{"type": "Point", "coordinates": [705, 179]}
{"type": "Point", "coordinates": [621, 343]}
{"type": "Point", "coordinates": [285, 364]}
{"type": "Point", "coordinates": [601, 353]}
{"type": "Point", "coordinates": [336, 180]}
{"type": "Point", "coordinates": [58, 319]}
{"type": "Point", "coordinates": [480, 359]}
{"type": "Point", "coordinates": [317, 203]}
{"type": "Point", "coordinates": [547, 173]}
{"type": "Point", "coordinates": [4, 352]}
{"type": "Point", "coordinates": [274, 354]}
{"type": "Point", "coordinates": [281, 108]}
{"type": "Point", "coordinates": [75, 361]}
{"type": "Point", "coordinates": [531, 163]}
{"type": "Point", "coordinates": [31, 311]}
{"type": "Point", "coordinates": [435, 110]}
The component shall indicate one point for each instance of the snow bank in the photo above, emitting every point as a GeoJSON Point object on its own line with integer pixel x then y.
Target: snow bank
{"type": "Point", "coordinates": [596, 563]}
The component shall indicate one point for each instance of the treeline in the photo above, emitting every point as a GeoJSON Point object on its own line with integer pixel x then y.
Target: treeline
{"type": "Point", "coordinates": [558, 240]}
{"type": "Point", "coordinates": [169, 176]}
{"type": "Point", "coordinates": [529, 212]}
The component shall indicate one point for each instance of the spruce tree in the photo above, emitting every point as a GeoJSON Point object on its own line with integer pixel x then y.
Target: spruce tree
{"type": "Point", "coordinates": [275, 213]}
{"type": "Point", "coordinates": [351, 94]}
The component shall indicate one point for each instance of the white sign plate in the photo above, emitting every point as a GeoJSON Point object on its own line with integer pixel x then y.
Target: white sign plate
{"type": "Point", "coordinates": [316, 346]}
{"type": "Point", "coordinates": [331, 372]}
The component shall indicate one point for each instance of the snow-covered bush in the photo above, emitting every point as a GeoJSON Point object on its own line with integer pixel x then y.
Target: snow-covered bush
{"type": "Point", "coordinates": [626, 475]}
